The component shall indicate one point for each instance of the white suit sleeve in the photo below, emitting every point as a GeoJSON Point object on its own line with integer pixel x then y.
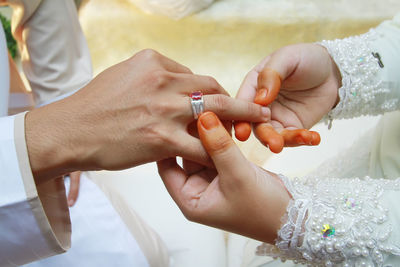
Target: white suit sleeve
{"type": "Point", "coordinates": [34, 219]}
{"type": "Point", "coordinates": [370, 69]}
{"type": "Point", "coordinates": [54, 53]}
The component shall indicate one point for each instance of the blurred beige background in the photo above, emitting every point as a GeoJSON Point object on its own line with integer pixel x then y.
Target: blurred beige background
{"type": "Point", "coordinates": [228, 39]}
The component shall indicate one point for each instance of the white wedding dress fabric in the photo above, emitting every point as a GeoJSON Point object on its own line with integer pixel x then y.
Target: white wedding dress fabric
{"type": "Point", "coordinates": [334, 221]}
{"type": "Point", "coordinates": [176, 9]}
{"type": "Point", "coordinates": [189, 244]}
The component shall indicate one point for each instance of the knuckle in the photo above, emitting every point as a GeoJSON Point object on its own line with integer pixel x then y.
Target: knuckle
{"type": "Point", "coordinates": [160, 78]}
{"type": "Point", "coordinates": [221, 145]}
{"type": "Point", "coordinates": [262, 76]}
{"type": "Point", "coordinates": [253, 109]}
{"type": "Point", "coordinates": [213, 85]}
{"type": "Point", "coordinates": [148, 54]}
{"type": "Point", "coordinates": [221, 103]}
{"type": "Point", "coordinates": [186, 70]}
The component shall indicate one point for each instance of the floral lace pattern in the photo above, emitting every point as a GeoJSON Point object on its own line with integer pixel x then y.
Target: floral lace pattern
{"type": "Point", "coordinates": [332, 223]}
{"type": "Point", "coordinates": [362, 91]}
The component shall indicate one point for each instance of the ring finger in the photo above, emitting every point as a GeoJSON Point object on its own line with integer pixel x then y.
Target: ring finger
{"type": "Point", "coordinates": [228, 108]}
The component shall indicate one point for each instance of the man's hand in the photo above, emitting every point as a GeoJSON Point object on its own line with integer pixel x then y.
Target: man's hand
{"type": "Point", "coordinates": [236, 196]}
{"type": "Point", "coordinates": [300, 85]}
{"type": "Point", "coordinates": [135, 112]}
{"type": "Point", "coordinates": [74, 185]}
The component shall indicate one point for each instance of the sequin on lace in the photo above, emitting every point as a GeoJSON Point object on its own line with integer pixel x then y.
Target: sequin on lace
{"type": "Point", "coordinates": [328, 230]}
{"type": "Point", "coordinates": [323, 226]}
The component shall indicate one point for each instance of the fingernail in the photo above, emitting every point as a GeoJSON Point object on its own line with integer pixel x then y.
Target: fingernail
{"type": "Point", "coordinates": [209, 120]}
{"type": "Point", "coordinates": [262, 93]}
{"type": "Point", "coordinates": [261, 97]}
{"type": "Point", "coordinates": [265, 112]}
{"type": "Point", "coordinates": [71, 202]}
{"type": "Point", "coordinates": [316, 139]}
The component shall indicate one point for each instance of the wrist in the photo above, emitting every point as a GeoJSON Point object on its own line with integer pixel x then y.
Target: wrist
{"type": "Point", "coordinates": [334, 80]}
{"type": "Point", "coordinates": [49, 142]}
{"type": "Point", "coordinates": [337, 76]}
{"type": "Point", "coordinates": [278, 199]}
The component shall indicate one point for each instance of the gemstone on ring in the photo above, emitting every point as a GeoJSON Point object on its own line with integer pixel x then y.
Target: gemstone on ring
{"type": "Point", "coordinates": [196, 95]}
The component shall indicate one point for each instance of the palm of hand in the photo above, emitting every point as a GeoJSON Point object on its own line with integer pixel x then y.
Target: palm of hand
{"type": "Point", "coordinates": [297, 108]}
{"type": "Point", "coordinates": [210, 198]}
{"type": "Point", "coordinates": [299, 83]}
{"type": "Point", "coordinates": [226, 201]}
{"type": "Point", "coordinates": [202, 193]}
{"type": "Point", "coordinates": [236, 196]}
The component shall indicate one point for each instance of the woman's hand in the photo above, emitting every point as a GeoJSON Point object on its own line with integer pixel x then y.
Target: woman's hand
{"type": "Point", "coordinates": [236, 196]}
{"type": "Point", "coordinates": [135, 112]}
{"type": "Point", "coordinates": [300, 85]}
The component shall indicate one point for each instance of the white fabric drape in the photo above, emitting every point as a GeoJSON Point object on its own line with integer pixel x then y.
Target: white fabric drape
{"type": "Point", "coordinates": [172, 8]}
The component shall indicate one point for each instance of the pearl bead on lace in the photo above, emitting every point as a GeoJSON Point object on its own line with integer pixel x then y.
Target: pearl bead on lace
{"type": "Point", "coordinates": [361, 87]}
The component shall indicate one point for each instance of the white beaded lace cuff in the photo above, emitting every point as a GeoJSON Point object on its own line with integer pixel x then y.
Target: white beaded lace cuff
{"type": "Point", "coordinates": [362, 91]}
{"type": "Point", "coordinates": [335, 222]}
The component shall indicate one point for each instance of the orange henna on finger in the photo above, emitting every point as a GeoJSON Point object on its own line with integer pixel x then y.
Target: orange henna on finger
{"type": "Point", "coordinates": [269, 84]}
{"type": "Point", "coordinates": [269, 137]}
{"type": "Point", "coordinates": [242, 130]}
{"type": "Point", "coordinates": [316, 138]}
{"type": "Point", "coordinates": [213, 133]}
{"type": "Point", "coordinates": [297, 137]}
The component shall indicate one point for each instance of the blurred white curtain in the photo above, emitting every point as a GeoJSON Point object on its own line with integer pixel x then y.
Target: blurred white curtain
{"type": "Point", "coordinates": [172, 8]}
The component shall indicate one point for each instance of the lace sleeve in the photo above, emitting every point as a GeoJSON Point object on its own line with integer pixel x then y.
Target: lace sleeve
{"type": "Point", "coordinates": [363, 91]}
{"type": "Point", "coordinates": [330, 222]}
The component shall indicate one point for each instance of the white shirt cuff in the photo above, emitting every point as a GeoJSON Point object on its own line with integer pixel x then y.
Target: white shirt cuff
{"type": "Point", "coordinates": [34, 218]}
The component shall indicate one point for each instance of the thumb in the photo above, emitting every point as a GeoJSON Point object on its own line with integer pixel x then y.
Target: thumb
{"type": "Point", "coordinates": [227, 158]}
{"type": "Point", "coordinates": [277, 69]}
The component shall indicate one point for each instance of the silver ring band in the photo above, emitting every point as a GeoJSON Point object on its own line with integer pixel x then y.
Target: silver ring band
{"type": "Point", "coordinates": [196, 99]}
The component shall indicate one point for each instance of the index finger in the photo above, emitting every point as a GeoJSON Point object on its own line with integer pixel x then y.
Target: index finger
{"type": "Point", "coordinates": [247, 92]}
{"type": "Point", "coordinates": [269, 84]}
